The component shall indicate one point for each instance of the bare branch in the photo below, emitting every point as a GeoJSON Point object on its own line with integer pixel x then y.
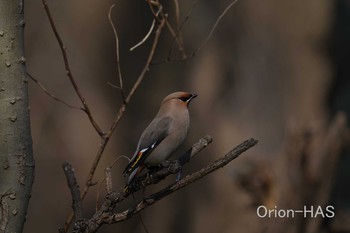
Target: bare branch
{"type": "Point", "coordinates": [145, 38]}
{"type": "Point", "coordinates": [140, 183]}
{"type": "Point", "coordinates": [41, 86]}
{"type": "Point", "coordinates": [117, 52]}
{"type": "Point", "coordinates": [108, 179]}
{"type": "Point", "coordinates": [149, 60]}
{"type": "Point", "coordinates": [177, 20]}
{"type": "Point", "coordinates": [179, 29]}
{"type": "Point", "coordinates": [177, 13]}
{"type": "Point", "coordinates": [106, 215]}
{"type": "Point", "coordinates": [168, 59]}
{"type": "Point", "coordinates": [114, 86]}
{"type": "Point", "coordinates": [148, 33]}
{"type": "Point", "coordinates": [171, 30]}
{"type": "Point", "coordinates": [217, 23]}
{"type": "Point", "coordinates": [109, 184]}
{"type": "Point", "coordinates": [172, 167]}
{"type": "Point", "coordinates": [231, 155]}
{"type": "Point", "coordinates": [74, 189]}
{"type": "Point", "coordinates": [69, 72]}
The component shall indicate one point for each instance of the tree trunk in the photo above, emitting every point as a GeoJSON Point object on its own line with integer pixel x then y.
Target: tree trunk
{"type": "Point", "coordinates": [16, 156]}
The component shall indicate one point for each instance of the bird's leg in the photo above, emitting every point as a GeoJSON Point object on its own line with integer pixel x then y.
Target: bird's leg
{"type": "Point", "coordinates": [178, 176]}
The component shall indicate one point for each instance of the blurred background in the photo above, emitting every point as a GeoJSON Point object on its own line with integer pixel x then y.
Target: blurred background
{"type": "Point", "coordinates": [277, 71]}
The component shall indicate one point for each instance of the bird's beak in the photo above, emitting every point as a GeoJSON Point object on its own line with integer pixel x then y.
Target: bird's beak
{"type": "Point", "coordinates": [192, 97]}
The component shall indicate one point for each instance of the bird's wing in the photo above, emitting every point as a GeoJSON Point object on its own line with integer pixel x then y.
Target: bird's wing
{"type": "Point", "coordinates": [156, 131]}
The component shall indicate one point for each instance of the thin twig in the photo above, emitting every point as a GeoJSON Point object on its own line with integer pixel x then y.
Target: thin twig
{"type": "Point", "coordinates": [142, 222]}
{"type": "Point", "coordinates": [177, 20]}
{"type": "Point", "coordinates": [180, 27]}
{"type": "Point", "coordinates": [43, 88]}
{"type": "Point", "coordinates": [217, 23]}
{"type": "Point", "coordinates": [107, 173]}
{"type": "Point", "coordinates": [148, 33]}
{"type": "Point", "coordinates": [117, 52]}
{"type": "Point", "coordinates": [112, 85]}
{"type": "Point", "coordinates": [149, 60]}
{"type": "Point", "coordinates": [203, 43]}
{"type": "Point", "coordinates": [69, 72]}
{"type": "Point", "coordinates": [144, 39]}
{"type": "Point", "coordinates": [177, 13]}
{"type": "Point", "coordinates": [171, 30]}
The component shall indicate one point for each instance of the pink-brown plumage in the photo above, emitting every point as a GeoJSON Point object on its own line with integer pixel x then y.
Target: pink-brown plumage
{"type": "Point", "coordinates": [166, 132]}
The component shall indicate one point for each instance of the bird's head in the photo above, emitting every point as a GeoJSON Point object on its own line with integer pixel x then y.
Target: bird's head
{"type": "Point", "coordinates": [181, 96]}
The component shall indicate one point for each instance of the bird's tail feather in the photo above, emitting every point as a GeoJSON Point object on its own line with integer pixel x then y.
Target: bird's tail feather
{"type": "Point", "coordinates": [135, 172]}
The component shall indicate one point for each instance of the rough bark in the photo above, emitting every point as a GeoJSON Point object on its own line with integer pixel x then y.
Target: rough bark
{"type": "Point", "coordinates": [16, 156]}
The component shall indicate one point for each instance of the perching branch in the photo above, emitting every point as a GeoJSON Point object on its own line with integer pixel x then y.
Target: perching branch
{"type": "Point", "coordinates": [156, 175]}
{"type": "Point", "coordinates": [153, 198]}
{"type": "Point", "coordinates": [106, 213]}
{"type": "Point", "coordinates": [172, 167]}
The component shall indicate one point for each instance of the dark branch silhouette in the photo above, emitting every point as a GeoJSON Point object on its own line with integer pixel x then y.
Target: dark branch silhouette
{"type": "Point", "coordinates": [106, 214]}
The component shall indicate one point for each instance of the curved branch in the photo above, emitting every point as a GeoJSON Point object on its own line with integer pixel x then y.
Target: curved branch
{"type": "Point", "coordinates": [117, 52]}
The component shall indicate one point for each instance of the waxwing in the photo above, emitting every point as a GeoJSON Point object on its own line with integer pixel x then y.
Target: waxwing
{"type": "Point", "coordinates": [166, 132]}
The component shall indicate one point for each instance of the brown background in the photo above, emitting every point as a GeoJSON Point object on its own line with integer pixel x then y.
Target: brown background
{"type": "Point", "coordinates": [271, 67]}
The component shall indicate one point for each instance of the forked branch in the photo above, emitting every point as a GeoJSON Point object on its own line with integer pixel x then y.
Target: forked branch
{"type": "Point", "coordinates": [86, 108]}
{"type": "Point", "coordinates": [105, 139]}
{"type": "Point", "coordinates": [107, 214]}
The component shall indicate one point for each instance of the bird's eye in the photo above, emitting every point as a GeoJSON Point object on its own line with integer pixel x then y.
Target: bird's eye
{"type": "Point", "coordinates": [183, 99]}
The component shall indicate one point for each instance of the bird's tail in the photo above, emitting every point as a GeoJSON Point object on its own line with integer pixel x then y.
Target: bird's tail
{"type": "Point", "coordinates": [134, 173]}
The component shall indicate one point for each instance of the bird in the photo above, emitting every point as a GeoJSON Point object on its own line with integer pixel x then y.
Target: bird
{"type": "Point", "coordinates": [163, 136]}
